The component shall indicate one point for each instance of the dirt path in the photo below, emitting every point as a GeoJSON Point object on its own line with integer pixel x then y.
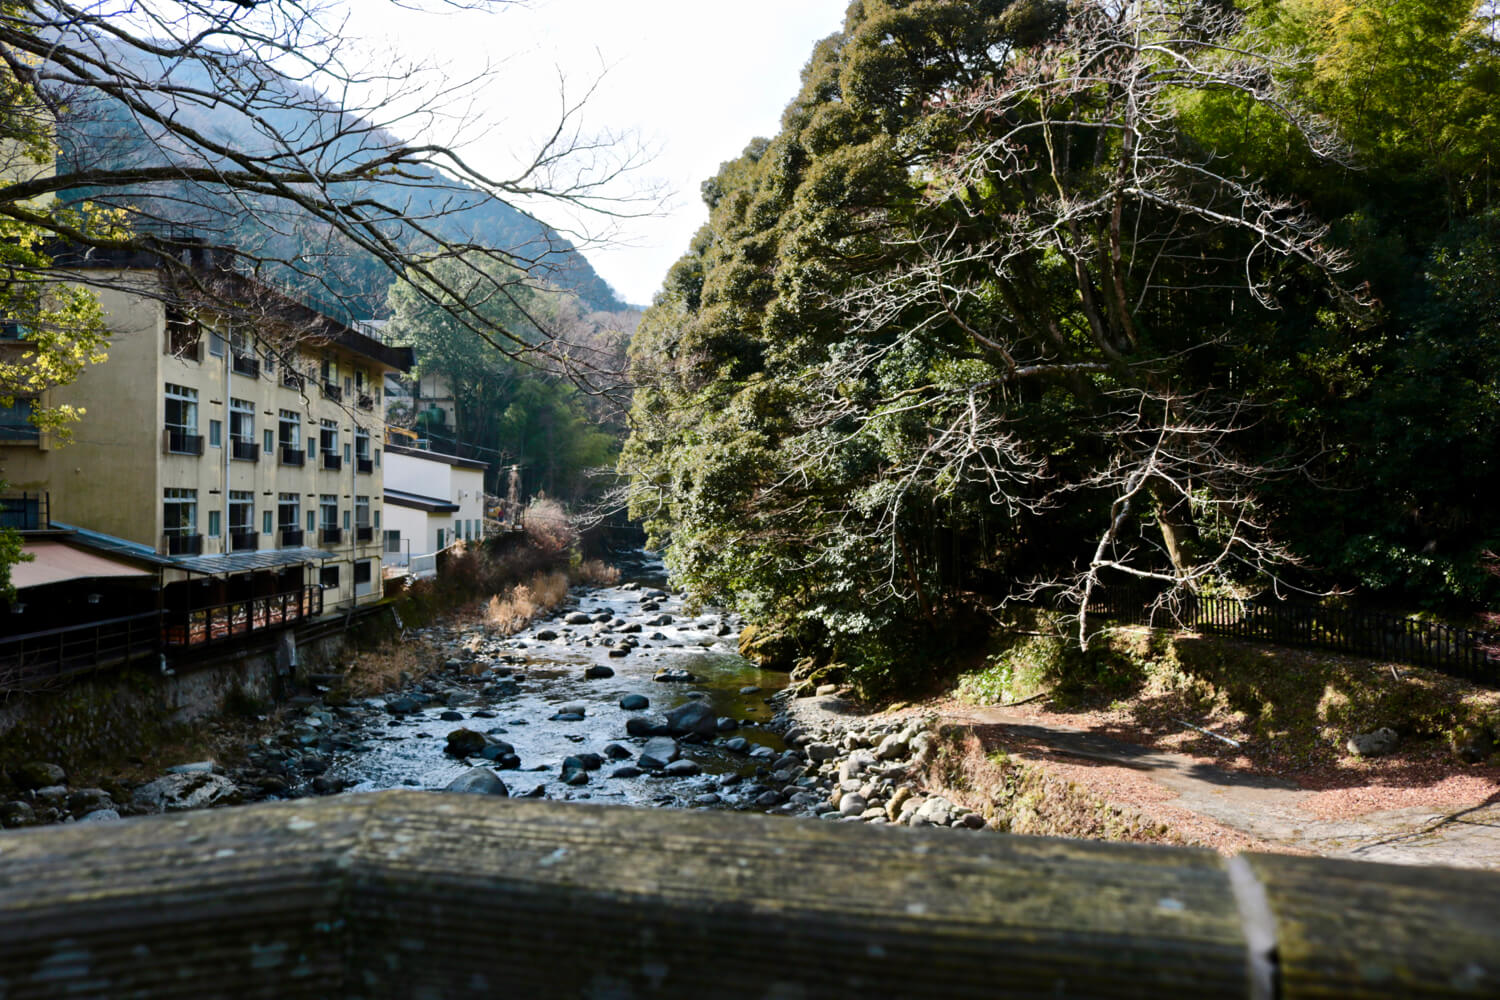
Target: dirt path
{"type": "Point", "coordinates": [1274, 811]}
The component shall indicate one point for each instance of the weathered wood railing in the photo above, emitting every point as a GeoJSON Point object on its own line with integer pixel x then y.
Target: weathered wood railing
{"type": "Point", "coordinates": [402, 894]}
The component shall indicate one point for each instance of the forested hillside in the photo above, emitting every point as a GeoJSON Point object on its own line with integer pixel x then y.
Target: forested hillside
{"type": "Point", "coordinates": [1027, 300]}
{"type": "Point", "coordinates": [100, 134]}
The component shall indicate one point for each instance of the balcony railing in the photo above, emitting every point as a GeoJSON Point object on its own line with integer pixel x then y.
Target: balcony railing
{"type": "Point", "coordinates": [39, 658]}
{"type": "Point", "coordinates": [291, 538]}
{"type": "Point", "coordinates": [181, 441]}
{"type": "Point", "coordinates": [364, 533]}
{"type": "Point", "coordinates": [333, 392]}
{"type": "Point", "coordinates": [223, 622]}
{"type": "Point", "coordinates": [244, 364]}
{"type": "Point", "coordinates": [292, 454]}
{"type": "Point", "coordinates": [331, 461]}
{"type": "Point", "coordinates": [183, 544]}
{"type": "Point", "coordinates": [364, 465]}
{"type": "Point", "coordinates": [366, 401]}
{"type": "Point", "coordinates": [25, 512]}
{"type": "Point", "coordinates": [293, 379]}
{"type": "Point", "coordinates": [330, 536]}
{"type": "Point", "coordinates": [245, 451]}
{"type": "Point", "coordinates": [243, 540]}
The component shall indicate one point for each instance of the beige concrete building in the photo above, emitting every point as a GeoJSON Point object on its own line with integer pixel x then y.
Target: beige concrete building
{"type": "Point", "coordinates": [243, 453]}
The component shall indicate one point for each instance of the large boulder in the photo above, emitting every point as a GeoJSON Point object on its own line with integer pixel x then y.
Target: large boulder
{"type": "Point", "coordinates": [658, 753]}
{"type": "Point", "coordinates": [635, 702]}
{"type": "Point", "coordinates": [39, 774]}
{"type": "Point", "coordinates": [695, 718]}
{"type": "Point", "coordinates": [465, 743]}
{"type": "Point", "coordinates": [1377, 744]}
{"type": "Point", "coordinates": [181, 792]}
{"type": "Point", "coordinates": [478, 781]}
{"type": "Point", "coordinates": [647, 725]}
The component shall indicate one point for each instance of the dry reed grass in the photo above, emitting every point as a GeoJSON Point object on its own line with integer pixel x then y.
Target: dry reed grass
{"type": "Point", "coordinates": [595, 573]}
{"type": "Point", "coordinates": [548, 527]}
{"type": "Point", "coordinates": [525, 601]}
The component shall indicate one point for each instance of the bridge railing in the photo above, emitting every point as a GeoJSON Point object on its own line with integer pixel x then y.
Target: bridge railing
{"type": "Point", "coordinates": [401, 894]}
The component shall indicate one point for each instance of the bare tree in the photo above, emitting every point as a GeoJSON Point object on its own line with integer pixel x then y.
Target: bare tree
{"type": "Point", "coordinates": [325, 158]}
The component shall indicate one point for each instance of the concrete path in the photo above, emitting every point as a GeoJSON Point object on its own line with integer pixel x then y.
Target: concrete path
{"type": "Point", "coordinates": [1272, 809]}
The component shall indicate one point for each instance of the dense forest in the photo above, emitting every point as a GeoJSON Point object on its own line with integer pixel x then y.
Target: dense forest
{"type": "Point", "coordinates": [1028, 299]}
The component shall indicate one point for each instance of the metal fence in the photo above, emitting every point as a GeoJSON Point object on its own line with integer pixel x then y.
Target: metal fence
{"type": "Point", "coordinates": [36, 658]}
{"type": "Point", "coordinates": [1469, 653]}
{"type": "Point", "coordinates": [202, 626]}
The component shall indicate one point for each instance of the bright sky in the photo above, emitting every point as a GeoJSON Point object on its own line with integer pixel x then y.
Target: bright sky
{"type": "Point", "coordinates": [695, 80]}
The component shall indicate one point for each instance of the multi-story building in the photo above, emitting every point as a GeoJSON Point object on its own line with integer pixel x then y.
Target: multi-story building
{"type": "Point", "coordinates": [240, 453]}
{"type": "Point", "coordinates": [432, 500]}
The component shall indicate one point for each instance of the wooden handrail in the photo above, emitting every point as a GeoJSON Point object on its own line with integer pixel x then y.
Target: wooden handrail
{"type": "Point", "coordinates": [402, 893]}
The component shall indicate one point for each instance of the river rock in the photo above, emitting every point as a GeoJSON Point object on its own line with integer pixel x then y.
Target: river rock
{"type": "Point", "coordinates": [573, 772]}
{"type": "Point", "coordinates": [478, 781]}
{"type": "Point", "coordinates": [738, 744]}
{"type": "Point", "coordinates": [545, 635]}
{"type": "Point", "coordinates": [194, 767]}
{"type": "Point", "coordinates": [725, 724]}
{"type": "Point", "coordinates": [87, 800]}
{"type": "Point", "coordinates": [39, 774]}
{"type": "Point", "coordinates": [16, 814]}
{"type": "Point", "coordinates": [694, 718]}
{"type": "Point", "coordinates": [750, 689]}
{"type": "Point", "coordinates": [682, 769]}
{"type": "Point", "coordinates": [1382, 741]}
{"type": "Point", "coordinates": [100, 816]}
{"type": "Point", "coordinates": [590, 761]}
{"type": "Point", "coordinates": [935, 811]}
{"type": "Point", "coordinates": [821, 752]}
{"type": "Point", "coordinates": [465, 743]}
{"type": "Point", "coordinates": [627, 771]}
{"type": "Point", "coordinates": [404, 705]}
{"type": "Point", "coordinates": [578, 618]}
{"type": "Point", "coordinates": [658, 753]}
{"type": "Point", "coordinates": [598, 672]}
{"type": "Point", "coordinates": [452, 716]}
{"type": "Point", "coordinates": [675, 675]}
{"type": "Point", "coordinates": [647, 725]}
{"type": "Point", "coordinates": [618, 653]}
{"type": "Point", "coordinates": [635, 702]}
{"type": "Point", "coordinates": [181, 792]}
{"type": "Point", "coordinates": [893, 747]}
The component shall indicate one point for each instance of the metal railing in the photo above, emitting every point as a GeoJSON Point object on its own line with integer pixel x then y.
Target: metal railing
{"type": "Point", "coordinates": [222, 622]}
{"type": "Point", "coordinates": [291, 537]}
{"type": "Point", "coordinates": [365, 466]}
{"type": "Point", "coordinates": [331, 461]}
{"type": "Point", "coordinates": [366, 401]}
{"type": "Point", "coordinates": [293, 455]}
{"type": "Point", "coordinates": [330, 536]}
{"type": "Point", "coordinates": [34, 659]}
{"type": "Point", "coordinates": [26, 511]}
{"type": "Point", "coordinates": [243, 540]}
{"type": "Point", "coordinates": [333, 392]}
{"type": "Point", "coordinates": [182, 544]}
{"type": "Point", "coordinates": [292, 379]}
{"type": "Point", "coordinates": [364, 533]}
{"type": "Point", "coordinates": [1448, 649]}
{"type": "Point", "coordinates": [244, 450]}
{"type": "Point", "coordinates": [243, 364]}
{"type": "Point", "coordinates": [181, 441]}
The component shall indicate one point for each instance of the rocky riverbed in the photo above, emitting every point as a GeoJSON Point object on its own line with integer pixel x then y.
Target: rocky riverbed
{"type": "Point", "coordinates": [621, 696]}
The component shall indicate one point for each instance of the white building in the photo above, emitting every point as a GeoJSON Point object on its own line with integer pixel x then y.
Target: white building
{"type": "Point", "coordinates": [431, 501]}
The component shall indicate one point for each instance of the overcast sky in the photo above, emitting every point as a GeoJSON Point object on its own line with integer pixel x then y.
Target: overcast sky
{"type": "Point", "coordinates": [694, 80]}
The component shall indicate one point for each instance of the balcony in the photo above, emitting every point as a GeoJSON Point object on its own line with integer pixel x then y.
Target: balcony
{"type": "Point", "coordinates": [25, 512]}
{"type": "Point", "coordinates": [293, 379]}
{"type": "Point", "coordinates": [291, 538]}
{"type": "Point", "coordinates": [292, 454]}
{"type": "Point", "coordinates": [243, 450]}
{"type": "Point", "coordinates": [333, 392]}
{"type": "Point", "coordinates": [364, 533]}
{"type": "Point", "coordinates": [183, 544]}
{"type": "Point", "coordinates": [244, 364]}
{"type": "Point", "coordinates": [332, 462]}
{"type": "Point", "coordinates": [366, 402]}
{"type": "Point", "coordinates": [365, 465]}
{"type": "Point", "coordinates": [330, 536]}
{"type": "Point", "coordinates": [243, 540]}
{"type": "Point", "coordinates": [181, 441]}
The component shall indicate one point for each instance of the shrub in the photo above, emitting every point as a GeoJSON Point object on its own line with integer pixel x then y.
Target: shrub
{"type": "Point", "coordinates": [548, 528]}
{"type": "Point", "coordinates": [595, 573]}
{"type": "Point", "coordinates": [523, 602]}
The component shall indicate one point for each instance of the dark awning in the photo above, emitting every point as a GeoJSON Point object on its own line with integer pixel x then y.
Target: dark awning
{"type": "Point", "coordinates": [433, 505]}
{"type": "Point", "coordinates": [217, 565]}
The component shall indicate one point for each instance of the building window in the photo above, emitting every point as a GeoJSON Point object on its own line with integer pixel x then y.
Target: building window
{"type": "Point", "coordinates": [215, 434]}
{"type": "Point", "coordinates": [362, 449]}
{"type": "Point", "coordinates": [241, 510]}
{"type": "Point", "coordinates": [242, 430]}
{"type": "Point", "coordinates": [328, 438]}
{"type": "Point", "coordinates": [15, 422]}
{"type": "Point", "coordinates": [364, 577]}
{"type": "Point", "coordinates": [393, 542]}
{"type": "Point", "coordinates": [269, 442]}
{"type": "Point", "coordinates": [346, 520]}
{"type": "Point", "coordinates": [288, 511]}
{"type": "Point", "coordinates": [312, 523]}
{"type": "Point", "coordinates": [289, 430]}
{"type": "Point", "coordinates": [362, 511]}
{"type": "Point", "coordinates": [183, 334]}
{"type": "Point", "coordinates": [377, 519]}
{"type": "Point", "coordinates": [213, 524]}
{"type": "Point", "coordinates": [179, 511]}
{"type": "Point", "coordinates": [329, 577]}
{"type": "Point", "coordinates": [440, 538]}
{"type": "Point", "coordinates": [265, 522]}
{"type": "Point", "coordinates": [328, 510]}
{"type": "Point", "coordinates": [215, 344]}
{"type": "Point", "coordinates": [347, 457]}
{"type": "Point", "coordinates": [377, 458]}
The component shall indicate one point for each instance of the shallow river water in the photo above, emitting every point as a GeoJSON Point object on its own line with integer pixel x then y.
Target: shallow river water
{"type": "Point", "coordinates": [547, 662]}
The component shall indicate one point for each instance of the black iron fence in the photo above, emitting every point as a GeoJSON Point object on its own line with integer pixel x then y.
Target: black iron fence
{"type": "Point", "coordinates": [34, 659]}
{"type": "Point", "coordinates": [1449, 649]}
